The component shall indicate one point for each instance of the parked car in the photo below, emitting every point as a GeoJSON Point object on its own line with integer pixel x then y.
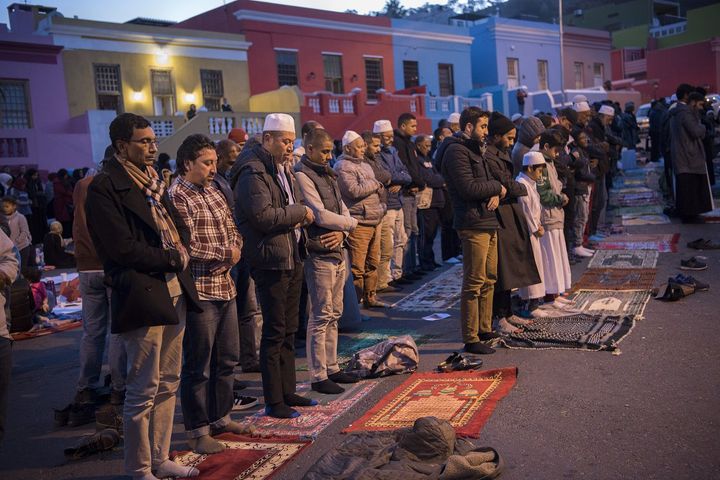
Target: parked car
{"type": "Point", "coordinates": [643, 122]}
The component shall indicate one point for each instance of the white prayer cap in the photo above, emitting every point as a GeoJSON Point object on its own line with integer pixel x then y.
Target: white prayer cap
{"type": "Point", "coordinates": [279, 122]}
{"type": "Point", "coordinates": [607, 110]}
{"type": "Point", "coordinates": [381, 126]}
{"type": "Point", "coordinates": [579, 99]}
{"type": "Point", "coordinates": [454, 118]}
{"type": "Point", "coordinates": [349, 137]}
{"type": "Point", "coordinates": [673, 98]}
{"type": "Point", "coordinates": [582, 107]}
{"type": "Point", "coordinates": [533, 158]}
{"type": "Point", "coordinates": [516, 117]}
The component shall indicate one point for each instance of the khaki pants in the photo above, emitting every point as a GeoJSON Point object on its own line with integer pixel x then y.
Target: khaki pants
{"type": "Point", "coordinates": [154, 356]}
{"type": "Point", "coordinates": [364, 243]}
{"type": "Point", "coordinates": [479, 276]}
{"type": "Point", "coordinates": [392, 247]}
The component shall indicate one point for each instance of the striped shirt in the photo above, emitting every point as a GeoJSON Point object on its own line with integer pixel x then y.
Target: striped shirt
{"type": "Point", "coordinates": [213, 234]}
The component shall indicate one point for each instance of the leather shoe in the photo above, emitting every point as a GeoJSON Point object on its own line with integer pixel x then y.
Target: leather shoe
{"type": "Point", "coordinates": [478, 348]}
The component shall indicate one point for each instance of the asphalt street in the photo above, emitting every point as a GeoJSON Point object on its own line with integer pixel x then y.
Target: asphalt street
{"type": "Point", "coordinates": [651, 411]}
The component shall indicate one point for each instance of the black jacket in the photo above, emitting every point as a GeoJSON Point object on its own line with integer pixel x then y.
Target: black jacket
{"type": "Point", "coordinates": [407, 153]}
{"type": "Point", "coordinates": [432, 179]}
{"type": "Point", "coordinates": [469, 183]}
{"type": "Point", "coordinates": [128, 243]}
{"type": "Point", "coordinates": [263, 214]}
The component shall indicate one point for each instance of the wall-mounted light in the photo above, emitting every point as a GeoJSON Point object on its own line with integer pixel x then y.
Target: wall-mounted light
{"type": "Point", "coordinates": [189, 98]}
{"type": "Point", "coordinates": [311, 76]}
{"type": "Point", "coordinates": [162, 57]}
{"type": "Point", "coordinates": [354, 78]}
{"type": "Point", "coordinates": [137, 96]}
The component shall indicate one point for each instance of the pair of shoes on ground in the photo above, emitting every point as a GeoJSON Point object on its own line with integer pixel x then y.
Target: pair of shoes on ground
{"type": "Point", "coordinates": [330, 385]}
{"type": "Point", "coordinates": [457, 363]}
{"type": "Point", "coordinates": [703, 244]}
{"type": "Point", "coordinates": [102, 441]}
{"type": "Point", "coordinates": [693, 263]}
{"type": "Point", "coordinates": [691, 281]}
{"type": "Point", "coordinates": [75, 414]}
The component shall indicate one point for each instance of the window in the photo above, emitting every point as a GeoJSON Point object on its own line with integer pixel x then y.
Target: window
{"type": "Point", "coordinates": [513, 73]}
{"type": "Point", "coordinates": [579, 76]}
{"type": "Point", "coordinates": [333, 73]}
{"type": "Point", "coordinates": [598, 74]}
{"type": "Point", "coordinates": [287, 67]}
{"type": "Point", "coordinates": [14, 104]}
{"type": "Point", "coordinates": [542, 74]}
{"type": "Point", "coordinates": [212, 88]}
{"type": "Point", "coordinates": [108, 87]}
{"type": "Point", "coordinates": [411, 74]}
{"type": "Point", "coordinates": [163, 92]}
{"type": "Point", "coordinates": [373, 76]}
{"type": "Point", "coordinates": [447, 82]}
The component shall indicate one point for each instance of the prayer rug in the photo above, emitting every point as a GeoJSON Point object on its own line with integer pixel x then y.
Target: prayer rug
{"type": "Point", "coordinates": [663, 243]}
{"type": "Point", "coordinates": [465, 399]}
{"type": "Point", "coordinates": [712, 217]}
{"type": "Point", "coordinates": [576, 332]}
{"type": "Point", "coordinates": [312, 420]}
{"type": "Point", "coordinates": [616, 279]}
{"type": "Point", "coordinates": [50, 327]}
{"type": "Point", "coordinates": [612, 302]}
{"type": "Point", "coordinates": [653, 219]}
{"type": "Point", "coordinates": [624, 259]}
{"type": "Point", "coordinates": [635, 199]}
{"type": "Point", "coordinates": [244, 458]}
{"type": "Point", "coordinates": [639, 210]}
{"type": "Point", "coordinates": [440, 293]}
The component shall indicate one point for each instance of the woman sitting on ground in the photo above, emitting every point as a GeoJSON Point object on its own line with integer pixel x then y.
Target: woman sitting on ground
{"type": "Point", "coordinates": [54, 248]}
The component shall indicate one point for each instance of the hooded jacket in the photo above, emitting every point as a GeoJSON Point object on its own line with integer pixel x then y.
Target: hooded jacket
{"type": "Point", "coordinates": [360, 189]}
{"type": "Point", "coordinates": [407, 153]}
{"type": "Point", "coordinates": [686, 133]}
{"type": "Point", "coordinates": [398, 173]}
{"type": "Point", "coordinates": [530, 128]}
{"type": "Point", "coordinates": [551, 197]}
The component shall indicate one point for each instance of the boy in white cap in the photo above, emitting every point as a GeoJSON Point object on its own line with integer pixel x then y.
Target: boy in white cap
{"type": "Point", "coordinates": [325, 268]}
{"type": "Point", "coordinates": [532, 166]}
{"type": "Point", "coordinates": [270, 213]}
{"type": "Point", "coordinates": [393, 236]}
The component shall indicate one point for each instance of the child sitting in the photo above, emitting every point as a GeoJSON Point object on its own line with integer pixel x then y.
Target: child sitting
{"type": "Point", "coordinates": [39, 292]}
{"type": "Point", "coordinates": [19, 231]}
{"type": "Point", "coordinates": [556, 267]}
{"type": "Point", "coordinates": [584, 180]}
{"type": "Point", "coordinates": [532, 169]}
{"type": "Point", "coordinates": [54, 248]}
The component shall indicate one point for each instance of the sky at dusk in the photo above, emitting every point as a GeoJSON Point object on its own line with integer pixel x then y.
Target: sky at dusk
{"type": "Point", "coordinates": [176, 10]}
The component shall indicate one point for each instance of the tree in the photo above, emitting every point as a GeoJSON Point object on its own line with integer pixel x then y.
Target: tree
{"type": "Point", "coordinates": [393, 9]}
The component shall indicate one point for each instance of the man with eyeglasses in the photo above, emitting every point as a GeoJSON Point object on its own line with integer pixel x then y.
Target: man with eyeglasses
{"type": "Point", "coordinates": [143, 244]}
{"type": "Point", "coordinates": [270, 214]}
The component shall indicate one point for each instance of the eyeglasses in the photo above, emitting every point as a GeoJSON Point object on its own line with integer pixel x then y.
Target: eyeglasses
{"type": "Point", "coordinates": [146, 142]}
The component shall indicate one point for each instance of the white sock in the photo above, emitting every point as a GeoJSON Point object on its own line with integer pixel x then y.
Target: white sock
{"type": "Point", "coordinates": [171, 469]}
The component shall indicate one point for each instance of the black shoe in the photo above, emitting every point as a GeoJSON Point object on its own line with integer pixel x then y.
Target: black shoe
{"type": "Point", "coordinates": [242, 402]}
{"type": "Point", "coordinates": [81, 414]}
{"type": "Point", "coordinates": [478, 348]}
{"type": "Point", "coordinates": [390, 289]}
{"type": "Point", "coordinates": [253, 368]}
{"type": "Point", "coordinates": [688, 280]}
{"type": "Point", "coordinates": [295, 400]}
{"type": "Point", "coordinates": [342, 377]}
{"type": "Point", "coordinates": [327, 386]}
{"type": "Point", "coordinates": [100, 442]}
{"type": "Point", "coordinates": [281, 411]}
{"type": "Point", "coordinates": [438, 265]}
{"type": "Point", "coordinates": [117, 397]}
{"type": "Point", "coordinates": [692, 264]}
{"type": "Point", "coordinates": [109, 416]}
{"type": "Point", "coordinates": [238, 385]}
{"type": "Point", "coordinates": [457, 363]}
{"type": "Point", "coordinates": [420, 272]}
{"type": "Point", "coordinates": [401, 281]}
{"type": "Point", "coordinates": [86, 396]}
{"type": "Point", "coordinates": [412, 276]}
{"type": "Point", "coordinates": [487, 336]}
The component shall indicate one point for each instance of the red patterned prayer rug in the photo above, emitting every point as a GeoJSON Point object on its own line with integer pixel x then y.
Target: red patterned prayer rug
{"type": "Point", "coordinates": [54, 327]}
{"type": "Point", "coordinates": [244, 458]}
{"type": "Point", "coordinates": [663, 243]}
{"type": "Point", "coordinates": [616, 279]}
{"type": "Point", "coordinates": [465, 399]}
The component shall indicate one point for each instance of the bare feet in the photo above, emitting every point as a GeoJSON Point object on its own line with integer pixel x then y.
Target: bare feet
{"type": "Point", "coordinates": [205, 445]}
{"type": "Point", "coordinates": [507, 327]}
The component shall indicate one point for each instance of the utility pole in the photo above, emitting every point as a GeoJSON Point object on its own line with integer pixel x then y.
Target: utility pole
{"type": "Point", "coordinates": [562, 54]}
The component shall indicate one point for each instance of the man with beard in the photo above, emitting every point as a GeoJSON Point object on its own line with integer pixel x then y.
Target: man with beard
{"type": "Point", "coordinates": [516, 264]}
{"type": "Point", "coordinates": [475, 195]}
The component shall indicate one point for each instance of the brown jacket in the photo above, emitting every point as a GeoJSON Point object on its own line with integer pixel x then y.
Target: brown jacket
{"type": "Point", "coordinates": [85, 254]}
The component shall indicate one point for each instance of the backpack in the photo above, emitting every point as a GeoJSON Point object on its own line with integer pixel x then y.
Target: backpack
{"type": "Point", "coordinates": [393, 356]}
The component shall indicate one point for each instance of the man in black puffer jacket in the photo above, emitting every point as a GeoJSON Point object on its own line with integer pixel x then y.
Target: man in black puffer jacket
{"type": "Point", "coordinates": [475, 196]}
{"type": "Point", "coordinates": [269, 212]}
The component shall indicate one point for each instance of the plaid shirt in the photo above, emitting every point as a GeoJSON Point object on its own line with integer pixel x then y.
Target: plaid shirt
{"type": "Point", "coordinates": [213, 233]}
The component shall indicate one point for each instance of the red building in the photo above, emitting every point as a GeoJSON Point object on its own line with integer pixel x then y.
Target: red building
{"type": "Point", "coordinates": [341, 62]}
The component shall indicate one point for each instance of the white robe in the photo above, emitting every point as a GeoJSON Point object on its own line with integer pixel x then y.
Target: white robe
{"type": "Point", "coordinates": [532, 211]}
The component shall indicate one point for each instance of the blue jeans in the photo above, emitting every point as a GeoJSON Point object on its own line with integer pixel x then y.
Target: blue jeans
{"type": "Point", "coordinates": [5, 370]}
{"type": "Point", "coordinates": [211, 349]}
{"type": "Point", "coordinates": [96, 325]}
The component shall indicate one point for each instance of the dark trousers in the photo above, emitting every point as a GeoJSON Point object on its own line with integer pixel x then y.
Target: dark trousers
{"type": "Point", "coordinates": [5, 370]}
{"type": "Point", "coordinates": [449, 240]}
{"type": "Point", "coordinates": [569, 223]}
{"type": "Point", "coordinates": [27, 256]}
{"type": "Point", "coordinates": [279, 295]}
{"type": "Point", "coordinates": [210, 354]}
{"type": "Point", "coordinates": [502, 303]}
{"type": "Point", "coordinates": [654, 148]}
{"type": "Point", "coordinates": [429, 224]}
{"type": "Point", "coordinates": [248, 315]}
